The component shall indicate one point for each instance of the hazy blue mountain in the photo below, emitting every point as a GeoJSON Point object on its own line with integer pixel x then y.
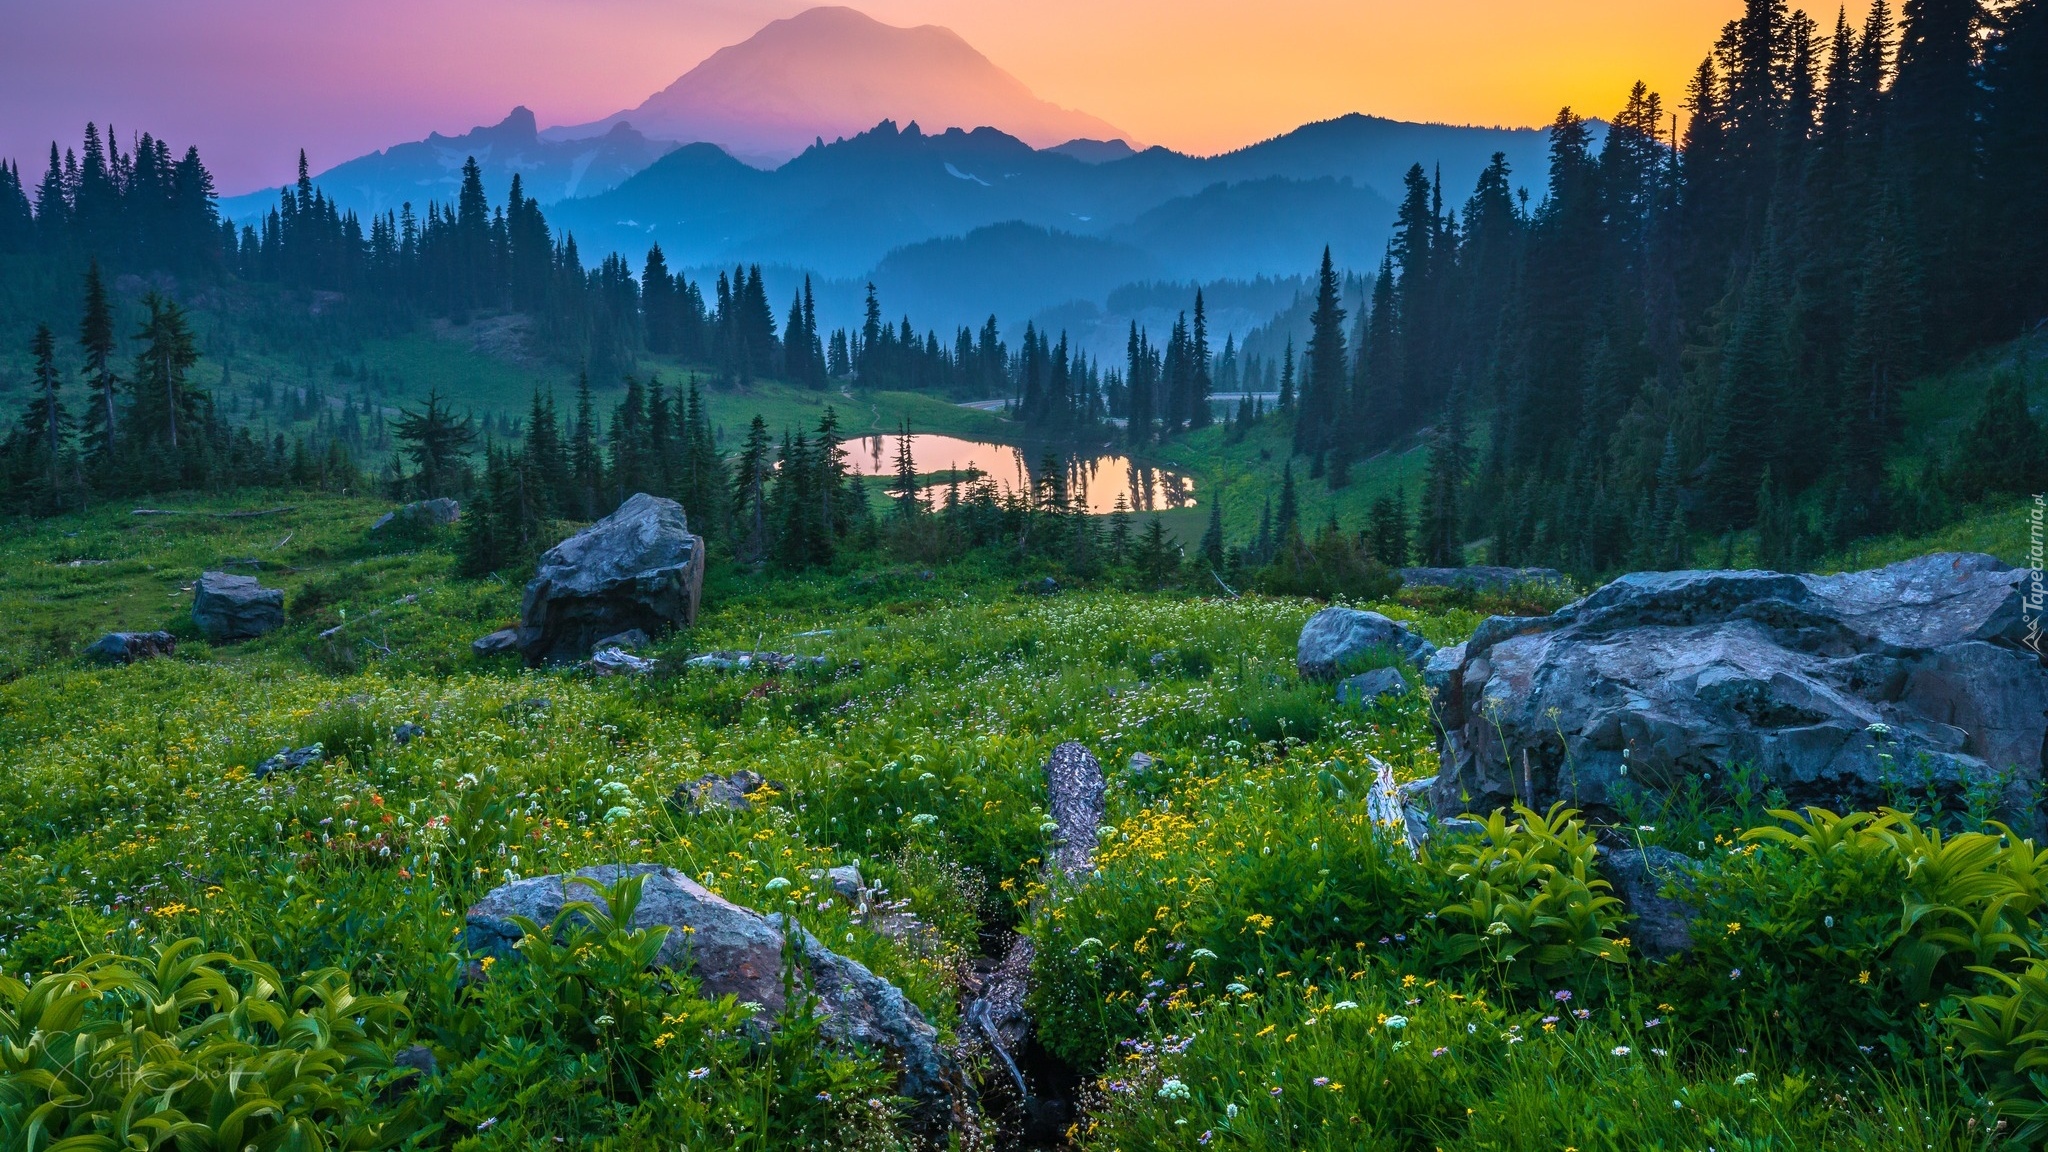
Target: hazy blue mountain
{"type": "Point", "coordinates": [839, 208]}
{"type": "Point", "coordinates": [431, 169]}
{"type": "Point", "coordinates": [1095, 151]}
{"type": "Point", "coordinates": [1010, 270]}
{"type": "Point", "coordinates": [1264, 227]}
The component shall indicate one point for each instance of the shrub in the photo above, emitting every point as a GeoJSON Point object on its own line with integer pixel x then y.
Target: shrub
{"type": "Point", "coordinates": [1214, 889]}
{"type": "Point", "coordinates": [1824, 931]}
{"type": "Point", "coordinates": [1332, 566]}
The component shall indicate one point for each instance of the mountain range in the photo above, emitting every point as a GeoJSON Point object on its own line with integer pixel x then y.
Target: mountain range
{"type": "Point", "coordinates": [791, 156]}
{"type": "Point", "coordinates": [430, 170]}
{"type": "Point", "coordinates": [956, 224]}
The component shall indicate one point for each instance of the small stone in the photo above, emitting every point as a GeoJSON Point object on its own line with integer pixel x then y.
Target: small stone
{"type": "Point", "coordinates": [1369, 687]}
{"type": "Point", "coordinates": [418, 1057]}
{"type": "Point", "coordinates": [1075, 796]}
{"type": "Point", "coordinates": [128, 647]}
{"type": "Point", "coordinates": [731, 793]}
{"type": "Point", "coordinates": [845, 880]}
{"type": "Point", "coordinates": [1640, 876]}
{"type": "Point", "coordinates": [631, 640]}
{"type": "Point", "coordinates": [1141, 763]}
{"type": "Point", "coordinates": [496, 644]}
{"type": "Point", "coordinates": [406, 733]}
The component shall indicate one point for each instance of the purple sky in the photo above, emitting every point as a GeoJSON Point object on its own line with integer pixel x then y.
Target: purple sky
{"type": "Point", "coordinates": [250, 87]}
{"type": "Point", "coordinates": [252, 81]}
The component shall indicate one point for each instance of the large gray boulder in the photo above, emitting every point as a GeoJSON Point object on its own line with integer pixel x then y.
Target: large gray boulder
{"type": "Point", "coordinates": [230, 607]}
{"type": "Point", "coordinates": [736, 951]}
{"type": "Point", "coordinates": [1335, 637]}
{"type": "Point", "coordinates": [637, 568]}
{"type": "Point", "coordinates": [1840, 690]}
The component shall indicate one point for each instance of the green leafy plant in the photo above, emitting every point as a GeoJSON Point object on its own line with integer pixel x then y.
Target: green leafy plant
{"type": "Point", "coordinates": [2004, 1033]}
{"type": "Point", "coordinates": [1536, 910]}
{"type": "Point", "coordinates": [196, 1050]}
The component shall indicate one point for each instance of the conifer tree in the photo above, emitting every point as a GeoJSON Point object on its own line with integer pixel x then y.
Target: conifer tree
{"type": "Point", "coordinates": [437, 443]}
{"type": "Point", "coordinates": [1323, 396]}
{"type": "Point", "coordinates": [750, 492]}
{"type": "Point", "coordinates": [1200, 382]}
{"type": "Point", "coordinates": [1442, 522]}
{"type": "Point", "coordinates": [1289, 518]}
{"type": "Point", "coordinates": [586, 466]}
{"type": "Point", "coordinates": [96, 338]}
{"type": "Point", "coordinates": [1388, 530]}
{"type": "Point", "coordinates": [1211, 549]}
{"type": "Point", "coordinates": [162, 405]}
{"type": "Point", "coordinates": [904, 486]}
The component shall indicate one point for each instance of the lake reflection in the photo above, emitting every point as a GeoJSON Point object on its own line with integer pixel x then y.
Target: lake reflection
{"type": "Point", "coordinates": [1094, 480]}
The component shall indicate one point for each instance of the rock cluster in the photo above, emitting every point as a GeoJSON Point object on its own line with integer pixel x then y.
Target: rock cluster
{"type": "Point", "coordinates": [421, 514]}
{"type": "Point", "coordinates": [730, 793]}
{"type": "Point", "coordinates": [1840, 690]}
{"type": "Point", "coordinates": [736, 661]}
{"type": "Point", "coordinates": [230, 607]}
{"type": "Point", "coordinates": [290, 759]}
{"type": "Point", "coordinates": [639, 567]}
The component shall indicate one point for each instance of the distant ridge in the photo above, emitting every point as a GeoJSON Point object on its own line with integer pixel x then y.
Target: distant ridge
{"type": "Point", "coordinates": [831, 72]}
{"type": "Point", "coordinates": [1095, 151]}
{"type": "Point", "coordinates": [431, 169]}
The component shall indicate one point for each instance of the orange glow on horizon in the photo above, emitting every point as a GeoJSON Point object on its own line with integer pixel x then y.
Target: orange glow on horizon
{"type": "Point", "coordinates": [250, 83]}
{"type": "Point", "coordinates": [1209, 76]}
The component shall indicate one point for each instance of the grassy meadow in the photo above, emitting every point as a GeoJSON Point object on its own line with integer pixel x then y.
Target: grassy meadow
{"type": "Point", "coordinates": [1252, 965]}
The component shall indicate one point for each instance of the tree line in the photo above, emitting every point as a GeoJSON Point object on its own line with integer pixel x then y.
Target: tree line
{"type": "Point", "coordinates": [1701, 331]}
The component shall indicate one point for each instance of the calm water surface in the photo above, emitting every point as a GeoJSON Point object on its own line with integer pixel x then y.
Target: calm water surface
{"type": "Point", "coordinates": [1094, 478]}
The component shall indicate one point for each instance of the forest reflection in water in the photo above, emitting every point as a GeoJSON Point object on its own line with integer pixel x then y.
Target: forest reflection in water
{"type": "Point", "coordinates": [1094, 477]}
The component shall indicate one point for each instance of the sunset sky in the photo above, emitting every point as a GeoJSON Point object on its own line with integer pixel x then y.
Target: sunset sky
{"type": "Point", "coordinates": [251, 81]}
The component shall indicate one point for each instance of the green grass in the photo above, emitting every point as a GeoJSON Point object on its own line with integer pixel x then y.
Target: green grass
{"type": "Point", "coordinates": [1246, 474]}
{"type": "Point", "coordinates": [1242, 857]}
{"type": "Point", "coordinates": [2003, 530]}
